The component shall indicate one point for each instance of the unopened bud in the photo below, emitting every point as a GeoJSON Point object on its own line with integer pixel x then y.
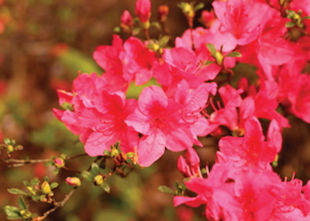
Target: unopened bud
{"type": "Point", "coordinates": [10, 148]}
{"type": "Point", "coordinates": [73, 181]}
{"type": "Point", "coordinates": [59, 162]}
{"type": "Point", "coordinates": [219, 58]}
{"type": "Point", "coordinates": [98, 179]}
{"type": "Point", "coordinates": [207, 18]}
{"type": "Point", "coordinates": [163, 12]}
{"type": "Point", "coordinates": [126, 18]}
{"type": "Point", "coordinates": [46, 188]}
{"type": "Point", "coordinates": [26, 214]}
{"type": "Point", "coordinates": [114, 152]}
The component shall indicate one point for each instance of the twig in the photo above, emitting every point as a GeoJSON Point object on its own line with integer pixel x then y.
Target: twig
{"type": "Point", "coordinates": [56, 206]}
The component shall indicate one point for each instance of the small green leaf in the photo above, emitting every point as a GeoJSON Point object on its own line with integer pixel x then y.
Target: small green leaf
{"type": "Point", "coordinates": [156, 25]}
{"type": "Point", "coordinates": [306, 17]}
{"type": "Point", "coordinates": [12, 212]}
{"type": "Point", "coordinates": [208, 62]}
{"type": "Point", "coordinates": [199, 6]}
{"type": "Point", "coordinates": [105, 187]}
{"type": "Point", "coordinates": [86, 175]}
{"type": "Point", "coordinates": [165, 189]}
{"type": "Point", "coordinates": [211, 48]}
{"type": "Point", "coordinates": [7, 141]}
{"type": "Point", "coordinates": [234, 54]}
{"type": "Point", "coordinates": [54, 185]}
{"type": "Point", "coordinates": [164, 41]}
{"type": "Point", "coordinates": [289, 24]}
{"type": "Point", "coordinates": [34, 181]}
{"type": "Point", "coordinates": [17, 191]}
{"type": "Point", "coordinates": [21, 203]}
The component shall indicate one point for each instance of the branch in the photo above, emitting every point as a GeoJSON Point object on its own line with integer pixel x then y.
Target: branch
{"type": "Point", "coordinates": [56, 206]}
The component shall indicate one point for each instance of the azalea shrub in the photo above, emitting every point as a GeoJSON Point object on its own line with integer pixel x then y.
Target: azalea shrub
{"type": "Point", "coordinates": [239, 77]}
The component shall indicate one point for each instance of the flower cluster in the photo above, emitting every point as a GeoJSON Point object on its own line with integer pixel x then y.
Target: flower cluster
{"type": "Point", "coordinates": [189, 101]}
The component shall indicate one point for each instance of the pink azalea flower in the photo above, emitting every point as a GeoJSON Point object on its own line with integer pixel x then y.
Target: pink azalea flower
{"type": "Point", "coordinates": [137, 61]}
{"type": "Point", "coordinates": [252, 149]}
{"type": "Point", "coordinates": [158, 119]}
{"type": "Point", "coordinates": [98, 116]}
{"type": "Point", "coordinates": [245, 19]}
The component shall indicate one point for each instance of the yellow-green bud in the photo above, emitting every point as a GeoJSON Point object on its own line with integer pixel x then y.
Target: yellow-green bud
{"type": "Point", "coordinates": [26, 214]}
{"type": "Point", "coordinates": [10, 148]}
{"type": "Point", "coordinates": [98, 179]}
{"type": "Point", "coordinates": [219, 58]}
{"type": "Point", "coordinates": [46, 188]}
{"type": "Point", "coordinates": [114, 152]}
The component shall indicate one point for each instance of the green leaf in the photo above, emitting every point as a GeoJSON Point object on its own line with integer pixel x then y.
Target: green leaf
{"type": "Point", "coordinates": [86, 175]}
{"type": "Point", "coordinates": [289, 24]}
{"type": "Point", "coordinates": [7, 141]}
{"type": "Point", "coordinates": [156, 25]}
{"type": "Point", "coordinates": [54, 185]}
{"type": "Point", "coordinates": [134, 90]}
{"type": "Point", "coordinates": [212, 49]}
{"type": "Point", "coordinates": [306, 17]}
{"type": "Point", "coordinates": [165, 189]}
{"type": "Point", "coordinates": [34, 181]}
{"type": "Point", "coordinates": [164, 41]}
{"type": "Point", "coordinates": [199, 6]}
{"type": "Point", "coordinates": [17, 191]}
{"type": "Point", "coordinates": [105, 187]}
{"type": "Point", "coordinates": [21, 203]}
{"type": "Point", "coordinates": [234, 54]}
{"type": "Point", "coordinates": [208, 62]}
{"type": "Point", "coordinates": [12, 212]}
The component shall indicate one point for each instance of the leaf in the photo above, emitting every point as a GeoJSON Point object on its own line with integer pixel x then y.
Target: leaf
{"type": "Point", "coordinates": [306, 17]}
{"type": "Point", "coordinates": [234, 54]}
{"type": "Point", "coordinates": [12, 212]}
{"type": "Point", "coordinates": [199, 6]}
{"type": "Point", "coordinates": [164, 41]}
{"type": "Point", "coordinates": [105, 187]}
{"type": "Point", "coordinates": [86, 175]}
{"type": "Point", "coordinates": [289, 24]}
{"type": "Point", "coordinates": [34, 181]}
{"type": "Point", "coordinates": [165, 189]}
{"type": "Point", "coordinates": [17, 191]}
{"type": "Point", "coordinates": [21, 203]}
{"type": "Point", "coordinates": [211, 48]}
{"type": "Point", "coordinates": [54, 185]}
{"type": "Point", "coordinates": [156, 25]}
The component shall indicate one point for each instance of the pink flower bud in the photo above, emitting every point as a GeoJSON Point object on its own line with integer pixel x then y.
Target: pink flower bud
{"type": "Point", "coordinates": [207, 18]}
{"type": "Point", "coordinates": [143, 10]}
{"type": "Point", "coordinates": [59, 162]}
{"type": "Point", "coordinates": [73, 181]}
{"type": "Point", "coordinates": [183, 167]}
{"type": "Point", "coordinates": [126, 18]}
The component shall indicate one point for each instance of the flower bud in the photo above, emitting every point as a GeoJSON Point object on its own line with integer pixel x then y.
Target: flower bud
{"type": "Point", "coordinates": [46, 188]}
{"type": "Point", "coordinates": [126, 19]}
{"type": "Point", "coordinates": [219, 58]}
{"type": "Point", "coordinates": [207, 18]}
{"type": "Point", "coordinates": [26, 214]}
{"type": "Point", "coordinates": [163, 12]}
{"type": "Point", "coordinates": [73, 181]}
{"type": "Point", "coordinates": [98, 179]}
{"type": "Point", "coordinates": [59, 162]}
{"type": "Point", "coordinates": [143, 10]}
{"type": "Point", "coordinates": [10, 148]}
